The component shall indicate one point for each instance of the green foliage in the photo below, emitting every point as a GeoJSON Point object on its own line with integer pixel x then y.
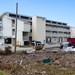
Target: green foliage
{"type": "Point", "coordinates": [59, 51]}
{"type": "Point", "coordinates": [2, 73]}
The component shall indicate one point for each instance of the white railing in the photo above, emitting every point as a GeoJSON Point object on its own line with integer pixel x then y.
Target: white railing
{"type": "Point", "coordinates": [26, 38]}
{"type": "Point", "coordinates": [57, 35]}
{"type": "Point", "coordinates": [13, 26]}
{"type": "Point", "coordinates": [30, 34]}
{"type": "Point", "coordinates": [1, 33]}
{"type": "Point", "coordinates": [57, 29]}
{"type": "Point", "coordinates": [13, 33]}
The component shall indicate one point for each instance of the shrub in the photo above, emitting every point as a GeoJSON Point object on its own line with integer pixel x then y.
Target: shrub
{"type": "Point", "coordinates": [1, 52]}
{"type": "Point", "coordinates": [7, 50]}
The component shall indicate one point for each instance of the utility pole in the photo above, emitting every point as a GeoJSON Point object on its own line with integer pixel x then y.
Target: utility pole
{"type": "Point", "coordinates": [16, 27]}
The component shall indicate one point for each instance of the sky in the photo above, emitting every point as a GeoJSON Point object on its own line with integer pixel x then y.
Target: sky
{"type": "Point", "coordinates": [57, 10]}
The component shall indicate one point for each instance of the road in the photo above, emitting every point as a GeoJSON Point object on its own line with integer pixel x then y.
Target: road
{"type": "Point", "coordinates": [47, 46]}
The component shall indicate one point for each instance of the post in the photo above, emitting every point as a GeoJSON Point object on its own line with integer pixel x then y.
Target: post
{"type": "Point", "coordinates": [16, 26]}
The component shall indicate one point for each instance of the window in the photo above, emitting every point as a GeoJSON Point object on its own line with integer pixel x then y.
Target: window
{"type": "Point", "coordinates": [30, 18]}
{"type": "Point", "coordinates": [48, 21]}
{"type": "Point", "coordinates": [13, 21]}
{"type": "Point", "coordinates": [24, 17]}
{"type": "Point", "coordinates": [0, 19]}
{"type": "Point", "coordinates": [64, 24]}
{"type": "Point", "coordinates": [59, 23]}
{"type": "Point", "coordinates": [13, 15]}
{"type": "Point", "coordinates": [0, 37]}
{"type": "Point", "coordinates": [54, 22]}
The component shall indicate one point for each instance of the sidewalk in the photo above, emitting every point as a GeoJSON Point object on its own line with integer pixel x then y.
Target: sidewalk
{"type": "Point", "coordinates": [2, 47]}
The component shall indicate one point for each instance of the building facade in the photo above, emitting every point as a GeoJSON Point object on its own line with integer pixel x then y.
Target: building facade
{"type": "Point", "coordinates": [72, 29]}
{"type": "Point", "coordinates": [31, 28]}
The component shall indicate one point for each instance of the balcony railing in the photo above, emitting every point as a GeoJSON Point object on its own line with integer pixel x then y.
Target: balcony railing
{"type": "Point", "coordinates": [1, 33]}
{"type": "Point", "coordinates": [1, 26]}
{"type": "Point", "coordinates": [13, 26]}
{"type": "Point", "coordinates": [57, 35]}
{"type": "Point", "coordinates": [13, 33]}
{"type": "Point", "coordinates": [57, 29]}
{"type": "Point", "coordinates": [30, 34]}
{"type": "Point", "coordinates": [26, 38]}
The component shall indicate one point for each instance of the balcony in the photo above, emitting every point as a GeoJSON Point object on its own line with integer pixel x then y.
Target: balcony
{"type": "Point", "coordinates": [13, 26]}
{"type": "Point", "coordinates": [1, 26]}
{"type": "Point", "coordinates": [26, 38]}
{"type": "Point", "coordinates": [13, 33]}
{"type": "Point", "coordinates": [1, 34]}
{"type": "Point", "coordinates": [30, 34]}
{"type": "Point", "coordinates": [57, 35]}
{"type": "Point", "coordinates": [0, 21]}
{"type": "Point", "coordinates": [57, 29]}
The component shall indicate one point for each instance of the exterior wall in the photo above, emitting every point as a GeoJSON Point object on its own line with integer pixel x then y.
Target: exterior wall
{"type": "Point", "coordinates": [38, 29]}
{"type": "Point", "coordinates": [72, 32]}
{"type": "Point", "coordinates": [41, 29]}
{"type": "Point", "coordinates": [7, 33]}
{"type": "Point", "coordinates": [20, 27]}
{"type": "Point", "coordinates": [27, 27]}
{"type": "Point", "coordinates": [59, 31]}
{"type": "Point", "coordinates": [7, 27]}
{"type": "Point", "coordinates": [54, 40]}
{"type": "Point", "coordinates": [64, 39]}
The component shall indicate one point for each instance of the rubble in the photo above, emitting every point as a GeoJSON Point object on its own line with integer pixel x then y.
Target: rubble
{"type": "Point", "coordinates": [61, 63]}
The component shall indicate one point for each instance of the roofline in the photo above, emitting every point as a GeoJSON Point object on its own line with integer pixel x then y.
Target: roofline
{"type": "Point", "coordinates": [27, 16]}
{"type": "Point", "coordinates": [3, 14]}
{"type": "Point", "coordinates": [18, 14]}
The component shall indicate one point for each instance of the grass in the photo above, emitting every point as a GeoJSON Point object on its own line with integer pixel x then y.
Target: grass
{"type": "Point", "coordinates": [27, 46]}
{"type": "Point", "coordinates": [3, 73]}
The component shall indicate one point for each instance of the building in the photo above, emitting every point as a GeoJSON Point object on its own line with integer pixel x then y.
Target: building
{"type": "Point", "coordinates": [72, 29]}
{"type": "Point", "coordinates": [31, 28]}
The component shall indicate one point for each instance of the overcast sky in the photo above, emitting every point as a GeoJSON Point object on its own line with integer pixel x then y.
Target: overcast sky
{"type": "Point", "coordinates": [58, 10]}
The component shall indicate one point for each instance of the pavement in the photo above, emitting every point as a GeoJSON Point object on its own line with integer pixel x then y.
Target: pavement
{"type": "Point", "coordinates": [47, 46]}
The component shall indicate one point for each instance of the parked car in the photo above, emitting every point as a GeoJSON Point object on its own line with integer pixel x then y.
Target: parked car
{"type": "Point", "coordinates": [37, 45]}
{"type": "Point", "coordinates": [68, 44]}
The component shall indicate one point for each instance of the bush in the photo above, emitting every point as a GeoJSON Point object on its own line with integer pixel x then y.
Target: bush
{"type": "Point", "coordinates": [7, 50]}
{"type": "Point", "coordinates": [1, 52]}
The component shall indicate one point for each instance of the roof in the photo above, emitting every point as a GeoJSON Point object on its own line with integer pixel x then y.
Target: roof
{"type": "Point", "coordinates": [3, 14]}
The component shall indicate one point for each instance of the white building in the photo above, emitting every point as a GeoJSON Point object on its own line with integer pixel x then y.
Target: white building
{"type": "Point", "coordinates": [72, 29]}
{"type": "Point", "coordinates": [31, 28]}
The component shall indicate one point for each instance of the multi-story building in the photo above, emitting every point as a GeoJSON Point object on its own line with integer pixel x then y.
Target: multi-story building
{"type": "Point", "coordinates": [31, 28]}
{"type": "Point", "coordinates": [72, 29]}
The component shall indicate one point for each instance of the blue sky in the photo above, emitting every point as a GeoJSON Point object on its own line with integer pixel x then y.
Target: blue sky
{"type": "Point", "coordinates": [58, 10]}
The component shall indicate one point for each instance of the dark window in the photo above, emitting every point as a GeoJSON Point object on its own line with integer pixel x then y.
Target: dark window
{"type": "Point", "coordinates": [24, 17]}
{"type": "Point", "coordinates": [64, 24]}
{"type": "Point", "coordinates": [48, 21]}
{"type": "Point", "coordinates": [31, 30]}
{"type": "Point", "coordinates": [30, 23]}
{"type": "Point", "coordinates": [0, 19]}
{"type": "Point", "coordinates": [30, 18]}
{"type": "Point", "coordinates": [54, 22]}
{"type": "Point", "coordinates": [59, 23]}
{"type": "Point", "coordinates": [13, 15]}
{"type": "Point", "coordinates": [8, 41]}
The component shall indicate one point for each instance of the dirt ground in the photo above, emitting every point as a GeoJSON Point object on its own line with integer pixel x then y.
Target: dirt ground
{"type": "Point", "coordinates": [61, 63]}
